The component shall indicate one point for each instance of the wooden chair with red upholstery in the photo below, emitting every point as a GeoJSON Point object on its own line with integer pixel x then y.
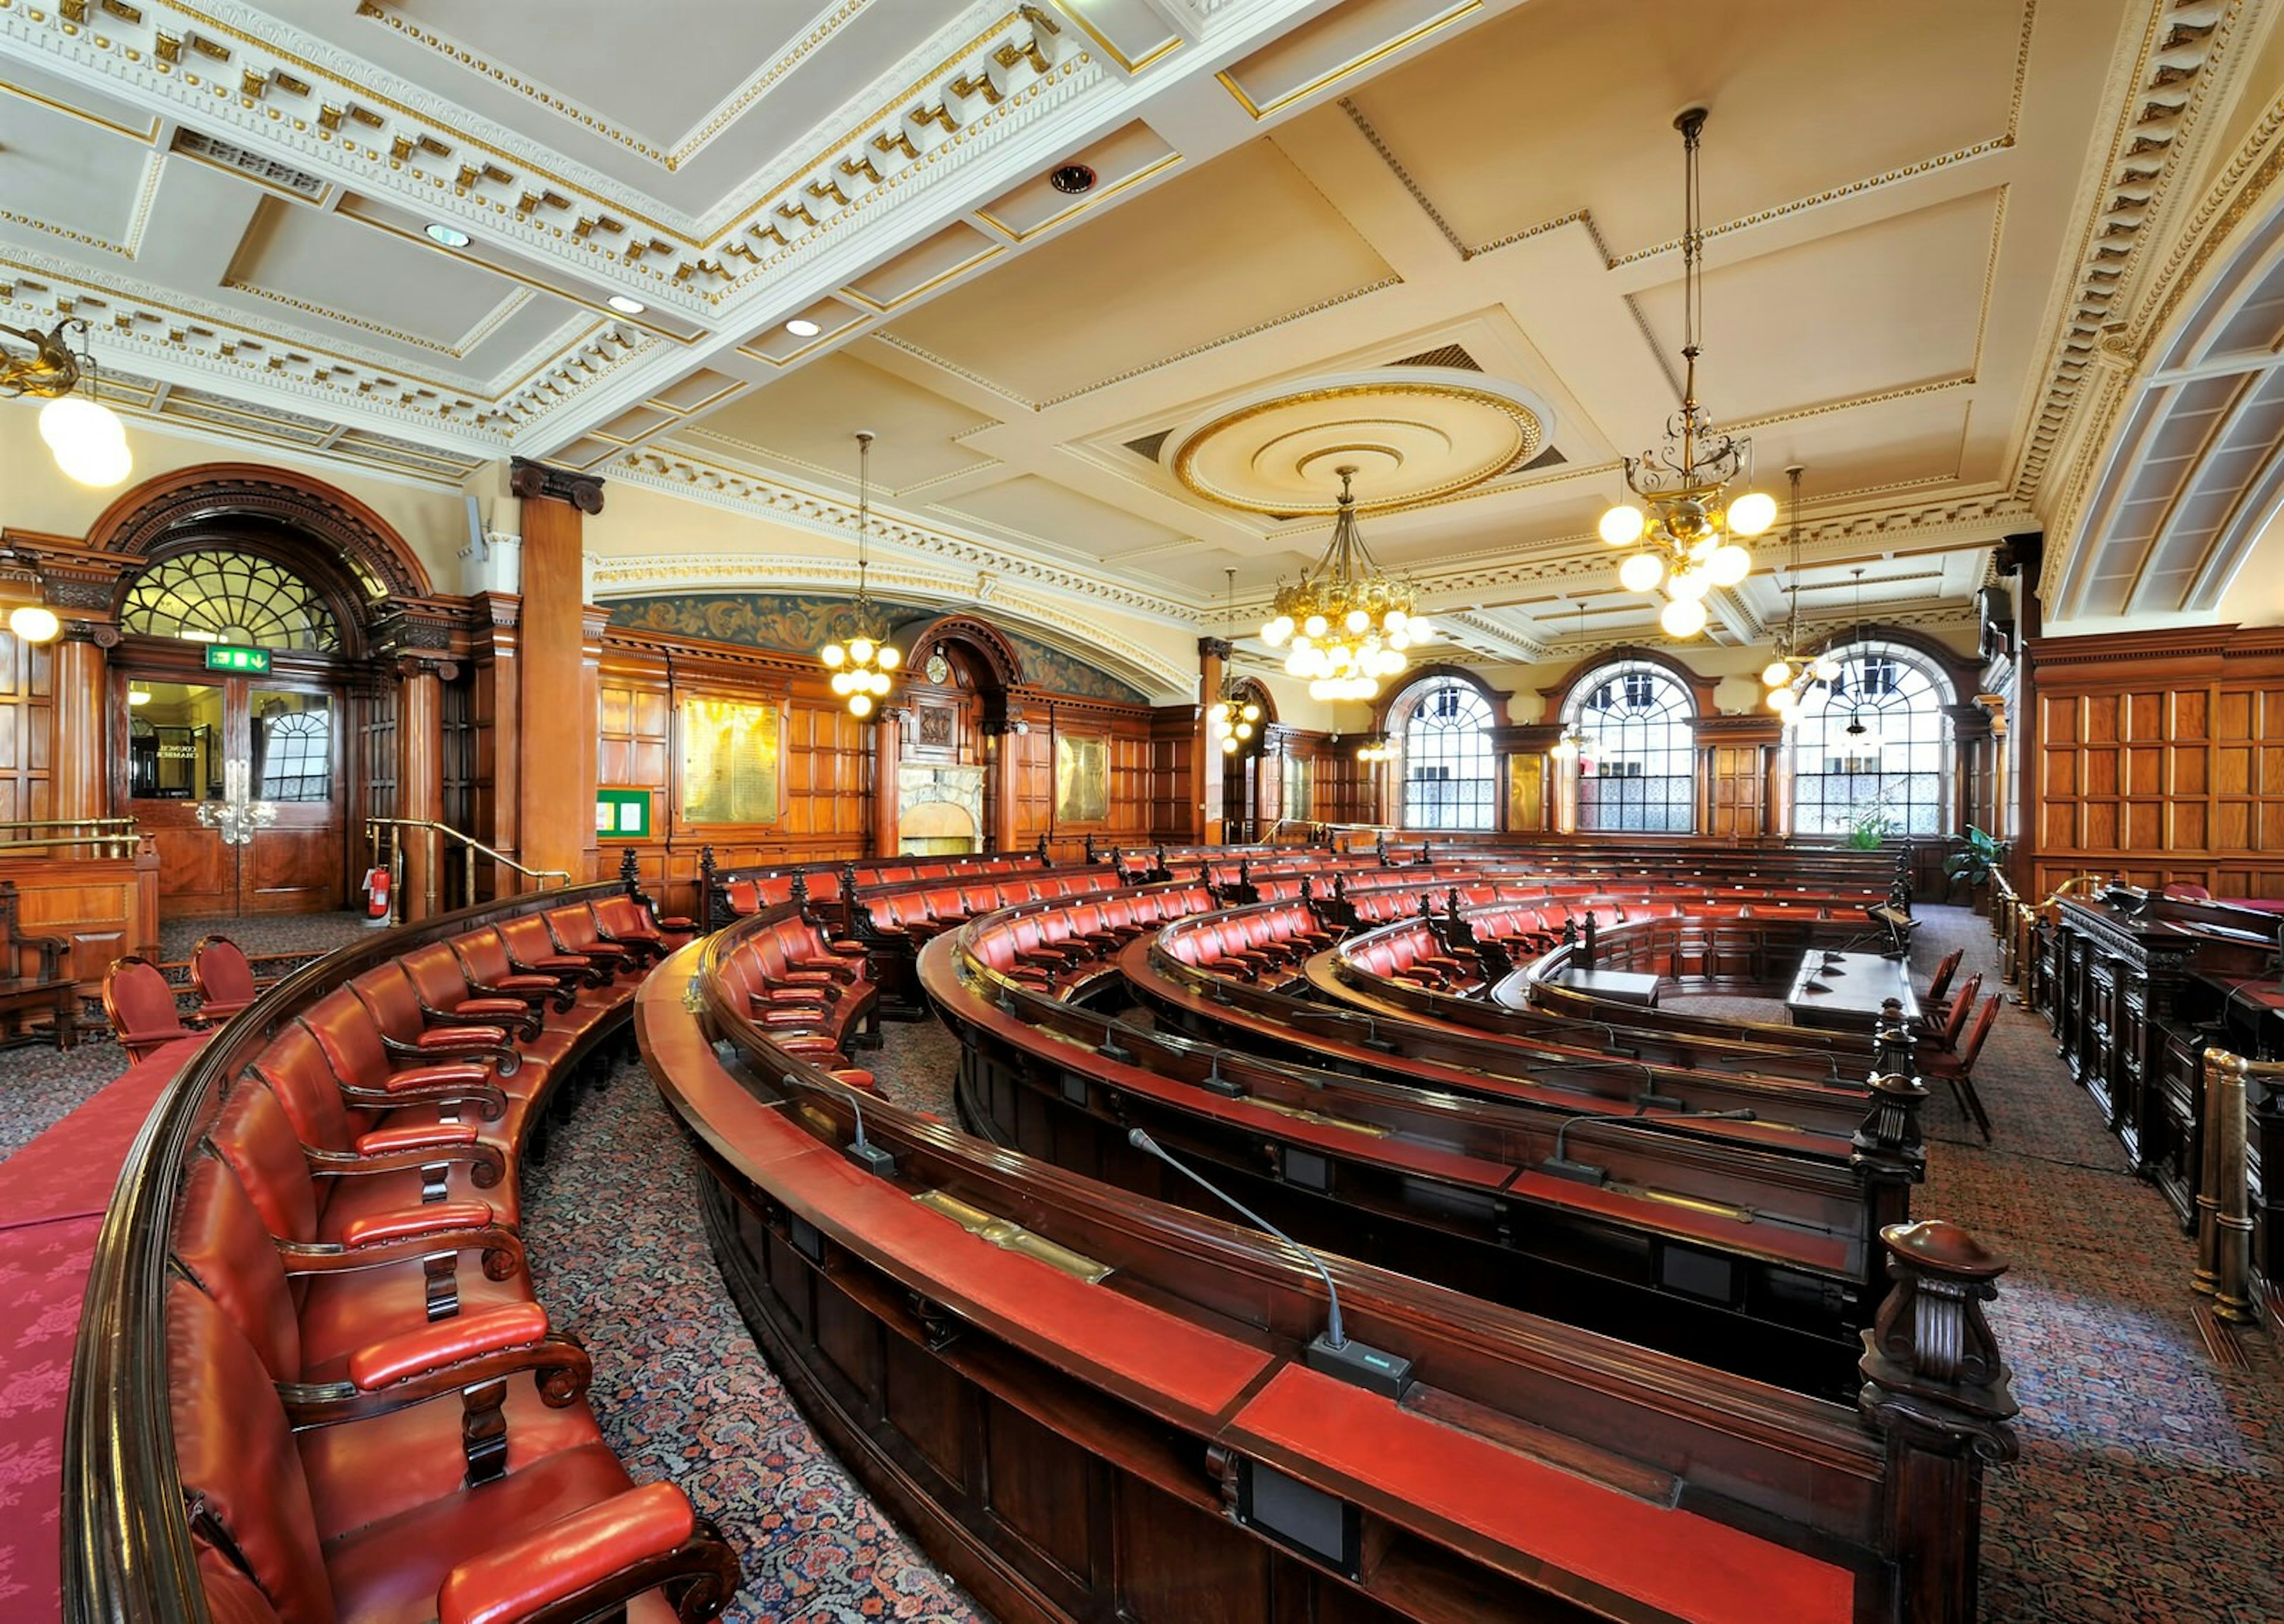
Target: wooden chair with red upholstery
{"type": "Point", "coordinates": [222, 978]}
{"type": "Point", "coordinates": [139, 1002]}
{"type": "Point", "coordinates": [1939, 983]}
{"type": "Point", "coordinates": [1957, 1067]}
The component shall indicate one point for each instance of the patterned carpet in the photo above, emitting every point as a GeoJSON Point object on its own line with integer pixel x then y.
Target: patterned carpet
{"type": "Point", "coordinates": [2148, 1489]}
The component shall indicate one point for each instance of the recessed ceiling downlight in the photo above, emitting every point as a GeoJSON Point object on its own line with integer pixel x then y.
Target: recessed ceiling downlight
{"type": "Point", "coordinates": [625, 306]}
{"type": "Point", "coordinates": [450, 236]}
{"type": "Point", "coordinates": [802, 327]}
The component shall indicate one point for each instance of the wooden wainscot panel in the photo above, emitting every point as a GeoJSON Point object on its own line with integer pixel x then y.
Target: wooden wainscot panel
{"type": "Point", "coordinates": [104, 907]}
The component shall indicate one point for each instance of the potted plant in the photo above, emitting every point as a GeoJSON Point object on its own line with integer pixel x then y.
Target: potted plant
{"type": "Point", "coordinates": [1867, 829]}
{"type": "Point", "coordinates": [1973, 864]}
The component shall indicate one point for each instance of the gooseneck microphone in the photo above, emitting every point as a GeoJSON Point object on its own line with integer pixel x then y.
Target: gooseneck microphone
{"type": "Point", "coordinates": [1331, 1352]}
{"type": "Point", "coordinates": [1586, 1173]}
{"type": "Point", "coordinates": [862, 1151]}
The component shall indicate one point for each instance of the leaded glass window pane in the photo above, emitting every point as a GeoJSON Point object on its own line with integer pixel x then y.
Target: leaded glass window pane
{"type": "Point", "coordinates": [216, 596]}
{"type": "Point", "coordinates": [1447, 759]}
{"type": "Point", "coordinates": [1874, 741]}
{"type": "Point", "coordinates": [1637, 769]}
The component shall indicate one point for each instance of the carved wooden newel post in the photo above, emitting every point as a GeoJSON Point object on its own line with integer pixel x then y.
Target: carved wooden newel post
{"type": "Point", "coordinates": [1936, 1388]}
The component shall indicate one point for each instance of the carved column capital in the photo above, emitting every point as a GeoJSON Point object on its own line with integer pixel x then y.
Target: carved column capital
{"type": "Point", "coordinates": [1215, 648]}
{"type": "Point", "coordinates": [531, 480]}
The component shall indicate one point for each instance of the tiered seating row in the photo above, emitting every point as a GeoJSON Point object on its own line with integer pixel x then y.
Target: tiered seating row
{"type": "Point", "coordinates": [313, 1383]}
{"type": "Point", "coordinates": [993, 1342]}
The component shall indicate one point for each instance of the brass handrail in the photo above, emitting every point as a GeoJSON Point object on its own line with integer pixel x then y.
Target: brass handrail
{"type": "Point", "coordinates": [123, 841]}
{"type": "Point", "coordinates": [67, 823]}
{"type": "Point", "coordinates": [470, 848]}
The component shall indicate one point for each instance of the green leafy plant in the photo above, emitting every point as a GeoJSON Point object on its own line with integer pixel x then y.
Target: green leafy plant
{"type": "Point", "coordinates": [1867, 829]}
{"type": "Point", "coordinates": [1974, 860]}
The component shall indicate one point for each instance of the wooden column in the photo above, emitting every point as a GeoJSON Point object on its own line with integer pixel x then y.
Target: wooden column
{"type": "Point", "coordinates": [82, 787]}
{"type": "Point", "coordinates": [888, 794]}
{"type": "Point", "coordinates": [420, 784]}
{"type": "Point", "coordinates": [1205, 754]}
{"type": "Point", "coordinates": [557, 712]}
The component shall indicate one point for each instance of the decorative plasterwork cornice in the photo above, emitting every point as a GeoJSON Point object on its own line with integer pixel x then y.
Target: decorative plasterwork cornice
{"type": "Point", "coordinates": [181, 338]}
{"type": "Point", "coordinates": [829, 516]}
{"type": "Point", "coordinates": [2168, 86]}
{"type": "Point", "coordinates": [1063, 625]}
{"type": "Point", "coordinates": [228, 66]}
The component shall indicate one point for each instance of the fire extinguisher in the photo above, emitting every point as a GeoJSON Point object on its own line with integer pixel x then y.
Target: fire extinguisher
{"type": "Point", "coordinates": [376, 893]}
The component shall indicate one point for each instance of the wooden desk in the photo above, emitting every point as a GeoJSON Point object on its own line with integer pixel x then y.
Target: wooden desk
{"type": "Point", "coordinates": [1845, 992]}
{"type": "Point", "coordinates": [59, 998]}
{"type": "Point", "coordinates": [1618, 986]}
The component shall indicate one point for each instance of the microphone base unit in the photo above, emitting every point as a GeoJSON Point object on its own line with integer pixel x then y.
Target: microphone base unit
{"type": "Point", "coordinates": [1228, 1087]}
{"type": "Point", "coordinates": [872, 1159]}
{"type": "Point", "coordinates": [1372, 1369]}
{"type": "Point", "coordinates": [1578, 1172]}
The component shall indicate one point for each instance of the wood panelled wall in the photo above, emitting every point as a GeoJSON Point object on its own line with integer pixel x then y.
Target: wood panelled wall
{"type": "Point", "coordinates": [830, 759]}
{"type": "Point", "coordinates": [2159, 756]}
{"type": "Point", "coordinates": [27, 728]}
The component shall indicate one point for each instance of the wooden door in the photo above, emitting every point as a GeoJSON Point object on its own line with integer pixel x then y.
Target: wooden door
{"type": "Point", "coordinates": [178, 739]}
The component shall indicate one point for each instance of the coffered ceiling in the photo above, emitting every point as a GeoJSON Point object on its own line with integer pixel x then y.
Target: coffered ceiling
{"type": "Point", "coordinates": [1904, 205]}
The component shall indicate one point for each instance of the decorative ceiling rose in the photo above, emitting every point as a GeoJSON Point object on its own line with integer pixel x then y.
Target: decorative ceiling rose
{"type": "Point", "coordinates": [860, 668]}
{"type": "Point", "coordinates": [1686, 536]}
{"type": "Point", "coordinates": [85, 436]}
{"type": "Point", "coordinates": [1412, 434]}
{"type": "Point", "coordinates": [1348, 623]}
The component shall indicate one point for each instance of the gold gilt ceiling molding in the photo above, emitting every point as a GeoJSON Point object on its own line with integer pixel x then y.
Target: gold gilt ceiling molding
{"type": "Point", "coordinates": [1057, 624]}
{"type": "Point", "coordinates": [166, 334]}
{"type": "Point", "coordinates": [2166, 89]}
{"type": "Point", "coordinates": [2248, 181]}
{"type": "Point", "coordinates": [758, 84]}
{"type": "Point", "coordinates": [221, 66]}
{"type": "Point", "coordinates": [685, 476]}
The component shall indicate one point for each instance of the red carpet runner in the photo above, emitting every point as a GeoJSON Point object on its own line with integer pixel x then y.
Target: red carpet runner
{"type": "Point", "coordinates": [53, 1195]}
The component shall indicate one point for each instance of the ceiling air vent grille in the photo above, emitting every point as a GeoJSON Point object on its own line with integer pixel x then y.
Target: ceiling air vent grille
{"type": "Point", "coordinates": [269, 171]}
{"type": "Point", "coordinates": [1149, 445]}
{"type": "Point", "coordinates": [1450, 355]}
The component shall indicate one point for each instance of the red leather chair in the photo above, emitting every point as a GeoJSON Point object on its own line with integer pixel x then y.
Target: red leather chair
{"type": "Point", "coordinates": [140, 1005]}
{"type": "Point", "coordinates": [221, 977]}
{"type": "Point", "coordinates": [568, 1530]}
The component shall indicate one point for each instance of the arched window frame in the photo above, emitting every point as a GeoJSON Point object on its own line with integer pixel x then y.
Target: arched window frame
{"type": "Point", "coordinates": [1909, 701]}
{"type": "Point", "coordinates": [1455, 745]}
{"type": "Point", "coordinates": [1637, 711]}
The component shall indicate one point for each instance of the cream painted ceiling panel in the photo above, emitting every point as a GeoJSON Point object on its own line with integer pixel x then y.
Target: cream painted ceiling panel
{"type": "Point", "coordinates": [328, 268]}
{"type": "Point", "coordinates": [1062, 518]}
{"type": "Point", "coordinates": [1885, 306]}
{"type": "Point", "coordinates": [1242, 243]}
{"type": "Point", "coordinates": [64, 178]}
{"type": "Point", "coordinates": [810, 419]}
{"type": "Point", "coordinates": [1569, 104]}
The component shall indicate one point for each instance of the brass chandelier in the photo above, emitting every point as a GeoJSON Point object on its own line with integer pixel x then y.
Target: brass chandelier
{"type": "Point", "coordinates": [860, 669]}
{"type": "Point", "coordinates": [86, 437]}
{"type": "Point", "coordinates": [1230, 718]}
{"type": "Point", "coordinates": [1689, 535]}
{"type": "Point", "coordinates": [1792, 674]}
{"type": "Point", "coordinates": [1348, 623]}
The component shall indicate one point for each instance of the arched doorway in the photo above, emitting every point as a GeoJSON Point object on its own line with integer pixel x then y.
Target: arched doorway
{"type": "Point", "coordinates": [947, 798]}
{"type": "Point", "coordinates": [1250, 799]}
{"type": "Point", "coordinates": [246, 619]}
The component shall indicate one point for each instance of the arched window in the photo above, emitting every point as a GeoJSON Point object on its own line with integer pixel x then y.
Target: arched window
{"type": "Point", "coordinates": [1447, 755]}
{"type": "Point", "coordinates": [1875, 743]}
{"type": "Point", "coordinates": [1637, 767]}
{"type": "Point", "coordinates": [216, 596]}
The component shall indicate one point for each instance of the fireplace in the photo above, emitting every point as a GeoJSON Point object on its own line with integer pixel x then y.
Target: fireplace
{"type": "Point", "coordinates": [939, 809]}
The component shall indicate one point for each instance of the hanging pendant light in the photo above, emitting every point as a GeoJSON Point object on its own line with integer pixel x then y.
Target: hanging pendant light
{"type": "Point", "coordinates": [1572, 744]}
{"type": "Point", "coordinates": [85, 436]}
{"type": "Point", "coordinates": [1689, 534]}
{"type": "Point", "coordinates": [1792, 674]}
{"type": "Point", "coordinates": [1230, 718]}
{"type": "Point", "coordinates": [861, 668]}
{"type": "Point", "coordinates": [1348, 623]}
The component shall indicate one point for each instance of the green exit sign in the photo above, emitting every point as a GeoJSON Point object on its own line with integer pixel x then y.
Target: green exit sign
{"type": "Point", "coordinates": [227, 657]}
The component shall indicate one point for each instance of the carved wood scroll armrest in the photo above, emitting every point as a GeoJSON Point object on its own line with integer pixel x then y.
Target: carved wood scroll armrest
{"type": "Point", "coordinates": [594, 1559]}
